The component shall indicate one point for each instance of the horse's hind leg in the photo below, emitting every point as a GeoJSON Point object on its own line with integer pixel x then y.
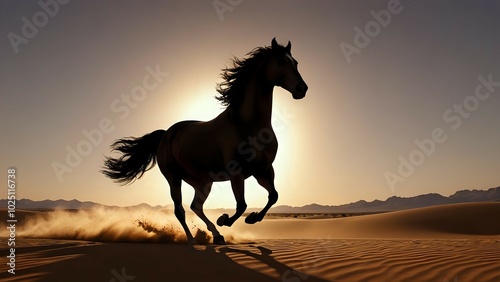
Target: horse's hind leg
{"type": "Point", "coordinates": [266, 180]}
{"type": "Point", "coordinates": [175, 193]}
{"type": "Point", "coordinates": [201, 193]}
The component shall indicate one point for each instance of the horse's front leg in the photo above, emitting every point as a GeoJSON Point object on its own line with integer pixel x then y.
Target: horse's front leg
{"type": "Point", "coordinates": [238, 185]}
{"type": "Point", "coordinates": [266, 180]}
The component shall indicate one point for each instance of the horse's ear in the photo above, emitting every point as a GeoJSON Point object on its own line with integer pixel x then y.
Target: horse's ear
{"type": "Point", "coordinates": [288, 47]}
{"type": "Point", "coordinates": [274, 44]}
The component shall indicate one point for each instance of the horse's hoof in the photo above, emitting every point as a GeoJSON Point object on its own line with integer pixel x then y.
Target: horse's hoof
{"type": "Point", "coordinates": [192, 241]}
{"type": "Point", "coordinates": [219, 240]}
{"type": "Point", "coordinates": [252, 218]}
{"type": "Point", "coordinates": [222, 220]}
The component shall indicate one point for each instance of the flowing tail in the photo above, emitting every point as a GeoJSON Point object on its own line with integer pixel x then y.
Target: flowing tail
{"type": "Point", "coordinates": [138, 156]}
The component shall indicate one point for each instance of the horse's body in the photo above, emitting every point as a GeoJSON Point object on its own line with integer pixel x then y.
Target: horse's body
{"type": "Point", "coordinates": [237, 144]}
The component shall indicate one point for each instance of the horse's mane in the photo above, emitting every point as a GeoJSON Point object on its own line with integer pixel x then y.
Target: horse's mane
{"type": "Point", "coordinates": [236, 77]}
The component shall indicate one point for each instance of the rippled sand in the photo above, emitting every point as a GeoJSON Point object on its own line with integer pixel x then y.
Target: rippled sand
{"type": "Point", "coordinates": [453, 243]}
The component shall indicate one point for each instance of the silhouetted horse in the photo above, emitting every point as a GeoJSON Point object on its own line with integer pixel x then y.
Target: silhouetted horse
{"type": "Point", "coordinates": [237, 144]}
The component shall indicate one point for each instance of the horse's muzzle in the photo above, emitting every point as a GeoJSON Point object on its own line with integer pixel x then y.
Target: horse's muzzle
{"type": "Point", "coordinates": [300, 90]}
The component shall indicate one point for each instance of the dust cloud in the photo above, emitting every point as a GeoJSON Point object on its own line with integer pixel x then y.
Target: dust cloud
{"type": "Point", "coordinates": [114, 225]}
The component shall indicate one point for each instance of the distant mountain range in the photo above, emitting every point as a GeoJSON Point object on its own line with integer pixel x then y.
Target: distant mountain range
{"type": "Point", "coordinates": [398, 203]}
{"type": "Point", "coordinates": [28, 204]}
{"type": "Point", "coordinates": [391, 204]}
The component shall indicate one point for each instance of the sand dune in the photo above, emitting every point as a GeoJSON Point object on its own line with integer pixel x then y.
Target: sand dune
{"type": "Point", "coordinates": [468, 220]}
{"type": "Point", "coordinates": [453, 243]}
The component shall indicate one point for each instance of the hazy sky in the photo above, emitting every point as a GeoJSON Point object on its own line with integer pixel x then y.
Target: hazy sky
{"type": "Point", "coordinates": [375, 87]}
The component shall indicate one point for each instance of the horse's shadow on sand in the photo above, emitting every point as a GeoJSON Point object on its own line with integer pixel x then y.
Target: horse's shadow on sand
{"type": "Point", "coordinates": [155, 262]}
{"type": "Point", "coordinates": [286, 273]}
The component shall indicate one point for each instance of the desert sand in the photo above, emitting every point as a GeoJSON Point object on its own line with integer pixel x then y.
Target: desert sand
{"type": "Point", "coordinates": [454, 243]}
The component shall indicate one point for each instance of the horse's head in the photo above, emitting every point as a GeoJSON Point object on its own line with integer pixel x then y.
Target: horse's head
{"type": "Point", "coordinates": [282, 70]}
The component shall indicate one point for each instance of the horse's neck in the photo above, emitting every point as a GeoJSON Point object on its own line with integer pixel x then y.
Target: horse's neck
{"type": "Point", "coordinates": [256, 107]}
